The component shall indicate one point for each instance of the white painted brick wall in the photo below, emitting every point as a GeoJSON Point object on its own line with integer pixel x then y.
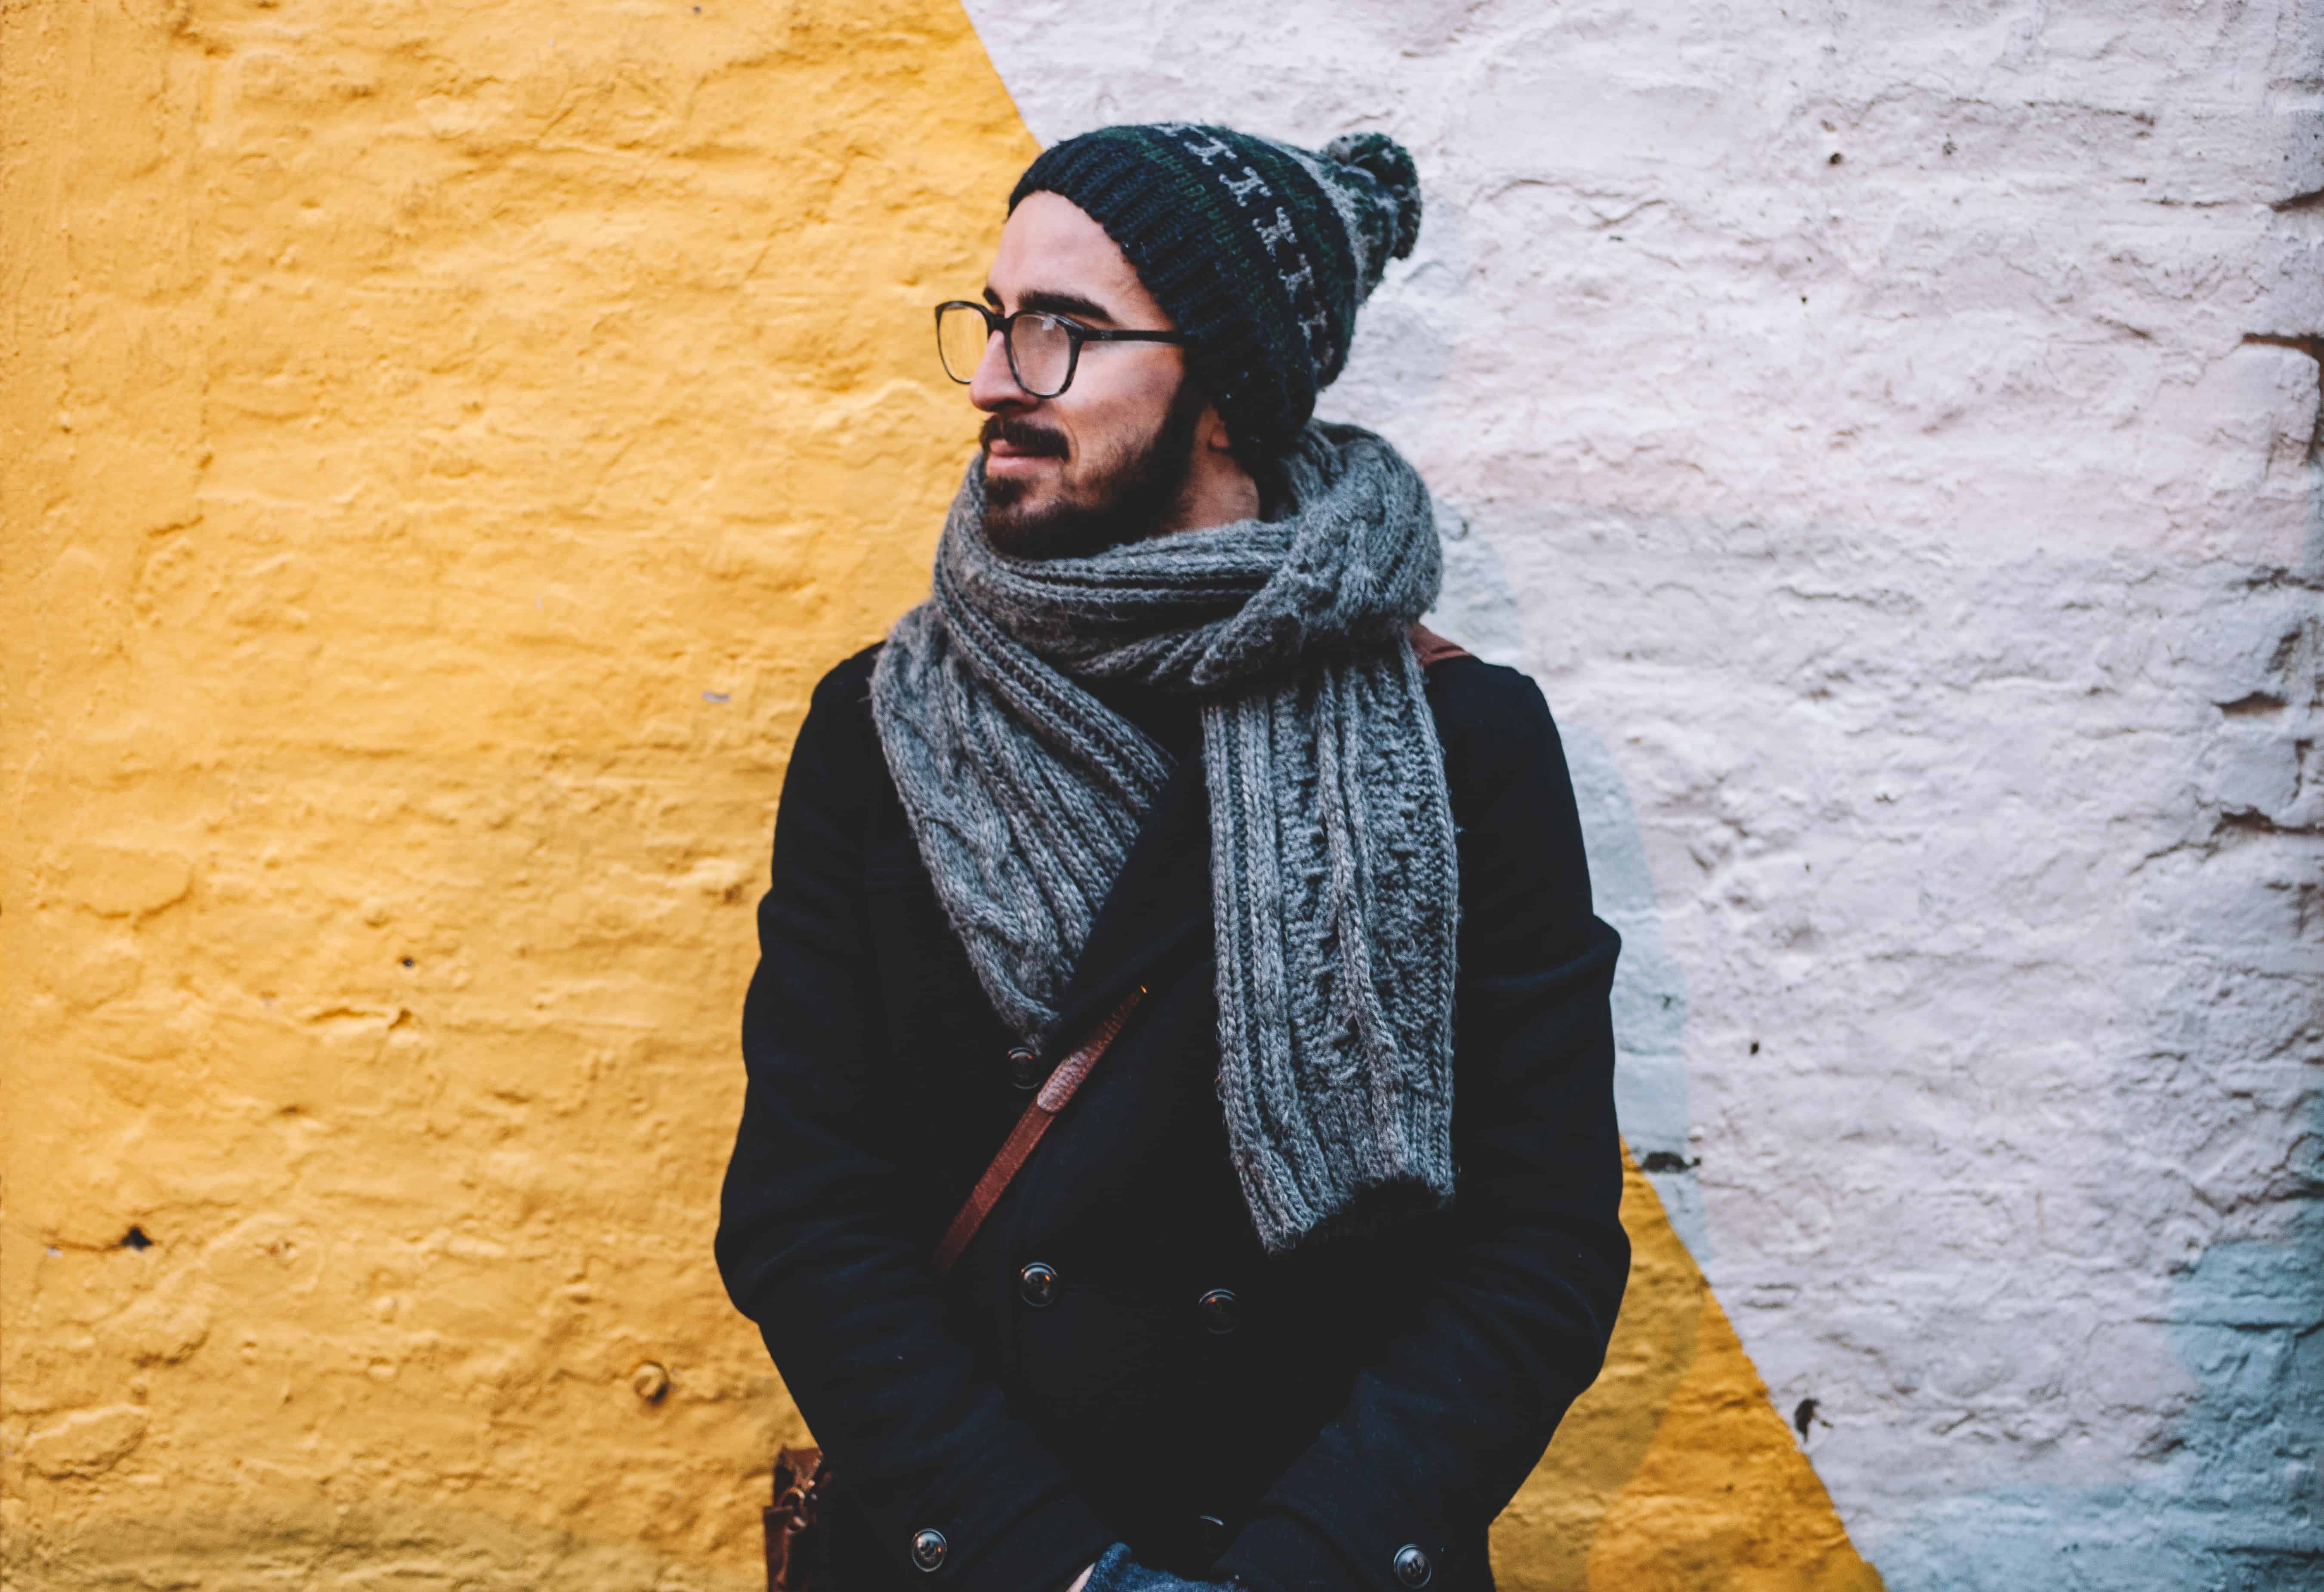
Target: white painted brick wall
{"type": "Point", "coordinates": [1889, 433]}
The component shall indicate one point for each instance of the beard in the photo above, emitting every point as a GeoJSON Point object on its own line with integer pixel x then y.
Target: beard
{"type": "Point", "coordinates": [1130, 495]}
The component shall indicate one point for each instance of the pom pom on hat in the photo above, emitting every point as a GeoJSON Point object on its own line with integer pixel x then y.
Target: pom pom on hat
{"type": "Point", "coordinates": [1389, 163]}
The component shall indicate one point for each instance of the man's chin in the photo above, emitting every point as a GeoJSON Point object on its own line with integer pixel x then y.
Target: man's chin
{"type": "Point", "coordinates": [1014, 491]}
{"type": "Point", "coordinates": [1042, 525]}
{"type": "Point", "coordinates": [1032, 530]}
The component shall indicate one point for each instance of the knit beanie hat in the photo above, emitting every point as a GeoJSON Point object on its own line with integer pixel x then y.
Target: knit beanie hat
{"type": "Point", "coordinates": [1261, 252]}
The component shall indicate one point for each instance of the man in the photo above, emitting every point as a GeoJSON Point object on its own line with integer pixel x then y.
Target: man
{"type": "Point", "coordinates": [1315, 1259]}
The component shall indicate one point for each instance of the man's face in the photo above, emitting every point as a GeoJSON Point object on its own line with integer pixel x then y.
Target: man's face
{"type": "Point", "coordinates": [1107, 460]}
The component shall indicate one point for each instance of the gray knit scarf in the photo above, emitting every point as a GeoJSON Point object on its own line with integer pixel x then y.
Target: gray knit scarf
{"type": "Point", "coordinates": [1335, 898]}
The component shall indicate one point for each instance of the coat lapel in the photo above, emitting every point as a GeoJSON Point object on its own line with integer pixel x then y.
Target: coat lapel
{"type": "Point", "coordinates": [1162, 897]}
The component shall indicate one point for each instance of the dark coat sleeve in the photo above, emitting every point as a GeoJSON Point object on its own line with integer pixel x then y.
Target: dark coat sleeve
{"type": "Point", "coordinates": [1440, 1431]}
{"type": "Point", "coordinates": [813, 1242]}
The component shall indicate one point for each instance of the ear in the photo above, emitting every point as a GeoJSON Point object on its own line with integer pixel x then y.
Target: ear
{"type": "Point", "coordinates": [1211, 432]}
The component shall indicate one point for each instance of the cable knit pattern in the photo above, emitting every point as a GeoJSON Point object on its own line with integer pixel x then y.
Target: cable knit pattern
{"type": "Point", "coordinates": [1117, 1571]}
{"type": "Point", "coordinates": [1334, 892]}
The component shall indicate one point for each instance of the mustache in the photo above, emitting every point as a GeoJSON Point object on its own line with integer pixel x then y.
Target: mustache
{"type": "Point", "coordinates": [1023, 435]}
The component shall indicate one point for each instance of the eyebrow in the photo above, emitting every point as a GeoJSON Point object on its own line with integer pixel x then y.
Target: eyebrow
{"type": "Point", "coordinates": [1052, 301]}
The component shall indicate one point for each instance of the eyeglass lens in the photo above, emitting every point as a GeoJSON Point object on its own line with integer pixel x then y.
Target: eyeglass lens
{"type": "Point", "coordinates": [1042, 348]}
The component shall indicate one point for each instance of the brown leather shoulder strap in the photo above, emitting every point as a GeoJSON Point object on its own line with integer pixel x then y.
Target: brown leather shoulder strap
{"type": "Point", "coordinates": [1064, 1083]}
{"type": "Point", "coordinates": [1430, 648]}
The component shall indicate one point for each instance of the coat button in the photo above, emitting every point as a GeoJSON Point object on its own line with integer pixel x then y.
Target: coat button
{"type": "Point", "coordinates": [1412, 1567]}
{"type": "Point", "coordinates": [930, 1547]}
{"type": "Point", "coordinates": [1036, 1286]}
{"type": "Point", "coordinates": [1024, 1068]}
{"type": "Point", "coordinates": [1222, 1310]}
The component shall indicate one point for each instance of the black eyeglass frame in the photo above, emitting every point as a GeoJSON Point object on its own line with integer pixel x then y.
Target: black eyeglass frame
{"type": "Point", "coordinates": [1075, 332]}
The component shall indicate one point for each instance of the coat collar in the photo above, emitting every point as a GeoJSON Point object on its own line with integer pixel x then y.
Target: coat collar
{"type": "Point", "coordinates": [1162, 898]}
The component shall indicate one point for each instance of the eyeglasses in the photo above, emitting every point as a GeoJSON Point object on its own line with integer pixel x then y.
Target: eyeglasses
{"type": "Point", "coordinates": [1044, 349]}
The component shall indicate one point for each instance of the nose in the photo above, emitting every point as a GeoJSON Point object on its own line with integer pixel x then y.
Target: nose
{"type": "Point", "coordinates": [994, 388]}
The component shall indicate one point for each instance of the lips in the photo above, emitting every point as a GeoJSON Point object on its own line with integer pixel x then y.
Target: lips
{"type": "Point", "coordinates": [1001, 464]}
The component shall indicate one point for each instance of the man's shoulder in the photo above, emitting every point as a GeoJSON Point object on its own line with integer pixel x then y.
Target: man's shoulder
{"type": "Point", "coordinates": [844, 692]}
{"type": "Point", "coordinates": [1496, 732]}
{"type": "Point", "coordinates": [1472, 698]}
{"type": "Point", "coordinates": [850, 679]}
{"type": "Point", "coordinates": [839, 742]}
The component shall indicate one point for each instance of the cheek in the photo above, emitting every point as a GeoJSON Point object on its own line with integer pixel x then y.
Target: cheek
{"type": "Point", "coordinates": [1110, 419]}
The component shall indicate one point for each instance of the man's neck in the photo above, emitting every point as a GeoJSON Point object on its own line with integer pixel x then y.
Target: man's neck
{"type": "Point", "coordinates": [1218, 491]}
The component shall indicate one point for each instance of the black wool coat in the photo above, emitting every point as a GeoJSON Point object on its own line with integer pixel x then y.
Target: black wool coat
{"type": "Point", "coordinates": [1296, 1421]}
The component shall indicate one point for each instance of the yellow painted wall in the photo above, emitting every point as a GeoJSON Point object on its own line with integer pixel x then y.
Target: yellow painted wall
{"type": "Point", "coordinates": [1674, 1473]}
{"type": "Point", "coordinates": [440, 448]}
